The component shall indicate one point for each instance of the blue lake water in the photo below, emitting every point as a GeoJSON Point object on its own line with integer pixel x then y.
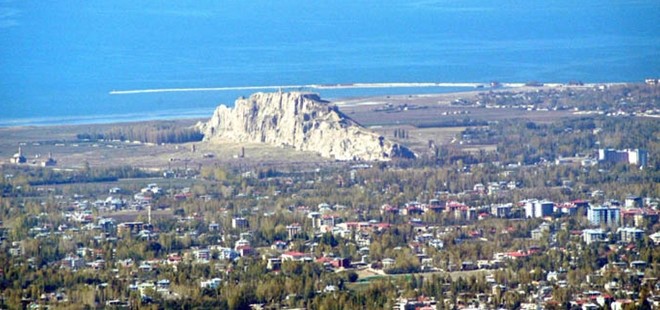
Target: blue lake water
{"type": "Point", "coordinates": [59, 60]}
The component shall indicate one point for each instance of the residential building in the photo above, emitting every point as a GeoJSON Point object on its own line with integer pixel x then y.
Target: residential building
{"type": "Point", "coordinates": [293, 230]}
{"type": "Point", "coordinates": [633, 202]}
{"type": "Point", "coordinates": [327, 221]}
{"type": "Point", "coordinates": [241, 243]}
{"type": "Point", "coordinates": [637, 157]}
{"type": "Point", "coordinates": [202, 255]}
{"type": "Point", "coordinates": [593, 235]}
{"type": "Point", "coordinates": [239, 223]}
{"type": "Point", "coordinates": [295, 256]}
{"type": "Point", "coordinates": [656, 238]}
{"type": "Point", "coordinates": [466, 213]}
{"type": "Point", "coordinates": [227, 254]}
{"type": "Point", "coordinates": [604, 214]}
{"type": "Point", "coordinates": [72, 262]}
{"type": "Point", "coordinates": [132, 227]}
{"type": "Point", "coordinates": [537, 234]}
{"type": "Point", "coordinates": [501, 211]}
{"type": "Point", "coordinates": [274, 263]}
{"type": "Point", "coordinates": [572, 208]}
{"type": "Point", "coordinates": [388, 262]}
{"type": "Point", "coordinates": [278, 245]}
{"type": "Point", "coordinates": [316, 218]}
{"type": "Point", "coordinates": [211, 284]}
{"type": "Point", "coordinates": [630, 234]}
{"type": "Point", "coordinates": [535, 208]}
{"type": "Point", "coordinates": [437, 243]}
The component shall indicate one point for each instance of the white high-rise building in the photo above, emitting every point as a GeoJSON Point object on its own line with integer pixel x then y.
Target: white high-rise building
{"type": "Point", "coordinates": [535, 208]}
{"type": "Point", "coordinates": [637, 157]}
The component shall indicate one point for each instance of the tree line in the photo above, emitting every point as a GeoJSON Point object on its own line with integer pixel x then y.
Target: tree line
{"type": "Point", "coordinates": [147, 133]}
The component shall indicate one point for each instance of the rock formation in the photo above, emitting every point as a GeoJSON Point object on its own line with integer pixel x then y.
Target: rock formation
{"type": "Point", "coordinates": [302, 121]}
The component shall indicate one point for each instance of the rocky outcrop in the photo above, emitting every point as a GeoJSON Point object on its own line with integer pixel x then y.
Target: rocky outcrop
{"type": "Point", "coordinates": [302, 121]}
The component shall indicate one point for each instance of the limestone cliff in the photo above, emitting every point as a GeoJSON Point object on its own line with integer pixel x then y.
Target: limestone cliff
{"type": "Point", "coordinates": [302, 121]}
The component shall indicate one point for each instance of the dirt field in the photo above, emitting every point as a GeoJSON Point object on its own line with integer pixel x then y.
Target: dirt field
{"type": "Point", "coordinates": [61, 141]}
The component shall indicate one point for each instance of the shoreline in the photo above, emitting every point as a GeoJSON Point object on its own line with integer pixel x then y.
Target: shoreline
{"type": "Point", "coordinates": [475, 85]}
{"type": "Point", "coordinates": [305, 86]}
{"type": "Point", "coordinates": [341, 100]}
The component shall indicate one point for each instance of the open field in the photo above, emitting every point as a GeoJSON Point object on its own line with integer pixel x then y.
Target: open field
{"type": "Point", "coordinates": [70, 152]}
{"type": "Point", "coordinates": [429, 110]}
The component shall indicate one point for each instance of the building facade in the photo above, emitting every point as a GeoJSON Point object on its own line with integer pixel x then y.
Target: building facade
{"type": "Point", "coordinates": [593, 235]}
{"type": "Point", "coordinates": [607, 215]}
{"type": "Point", "coordinates": [637, 157]}
{"type": "Point", "coordinates": [536, 208]}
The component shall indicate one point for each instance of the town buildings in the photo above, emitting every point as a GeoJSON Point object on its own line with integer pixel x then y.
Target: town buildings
{"type": "Point", "coordinates": [637, 157]}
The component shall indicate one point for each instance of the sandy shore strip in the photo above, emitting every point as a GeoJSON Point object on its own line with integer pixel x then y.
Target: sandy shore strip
{"type": "Point", "coordinates": [348, 86]}
{"type": "Point", "coordinates": [305, 86]}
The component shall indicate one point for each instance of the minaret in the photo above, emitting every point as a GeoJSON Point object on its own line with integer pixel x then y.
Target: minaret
{"type": "Point", "coordinates": [149, 213]}
{"type": "Point", "coordinates": [50, 161]}
{"type": "Point", "coordinates": [18, 158]}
